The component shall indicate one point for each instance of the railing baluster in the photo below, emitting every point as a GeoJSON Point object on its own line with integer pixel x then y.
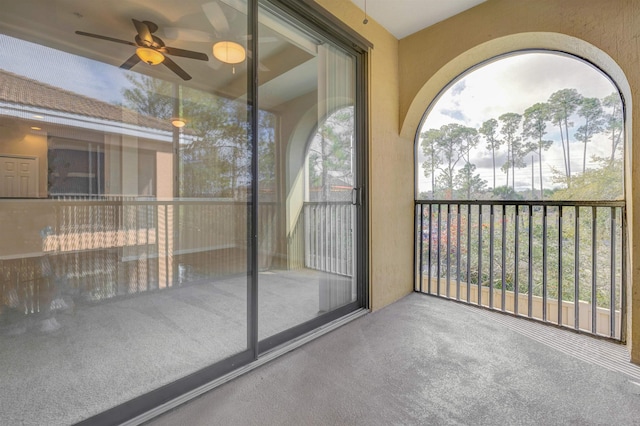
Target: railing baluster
{"type": "Point", "coordinates": [491, 255]}
{"type": "Point", "coordinates": [516, 260]}
{"type": "Point", "coordinates": [530, 283]}
{"type": "Point", "coordinates": [503, 295]}
{"type": "Point", "coordinates": [421, 254]}
{"type": "Point", "coordinates": [439, 248]}
{"type": "Point", "coordinates": [612, 296]}
{"type": "Point", "coordinates": [559, 265]}
{"type": "Point", "coordinates": [458, 252]}
{"type": "Point", "coordinates": [544, 263]}
{"type": "Point", "coordinates": [448, 249]}
{"type": "Point", "coordinates": [430, 233]}
{"type": "Point", "coordinates": [576, 272]}
{"type": "Point", "coordinates": [479, 254]}
{"type": "Point", "coordinates": [594, 291]}
{"type": "Point", "coordinates": [623, 278]}
{"type": "Point", "coordinates": [468, 280]}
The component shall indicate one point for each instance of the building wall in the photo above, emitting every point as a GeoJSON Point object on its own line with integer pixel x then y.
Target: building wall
{"type": "Point", "coordinates": [602, 31]}
{"type": "Point", "coordinates": [390, 164]}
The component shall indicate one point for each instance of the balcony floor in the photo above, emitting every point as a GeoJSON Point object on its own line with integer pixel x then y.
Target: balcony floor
{"type": "Point", "coordinates": [425, 360]}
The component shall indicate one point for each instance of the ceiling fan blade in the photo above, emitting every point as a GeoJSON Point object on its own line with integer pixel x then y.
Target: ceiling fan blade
{"type": "Point", "coordinates": [129, 63]}
{"type": "Point", "coordinates": [184, 53]}
{"type": "Point", "coordinates": [101, 37]}
{"type": "Point", "coordinates": [216, 17]}
{"type": "Point", "coordinates": [143, 31]}
{"type": "Point", "coordinates": [176, 69]}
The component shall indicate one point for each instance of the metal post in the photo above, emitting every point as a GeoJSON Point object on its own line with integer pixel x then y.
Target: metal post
{"type": "Point", "coordinates": [491, 255]}
{"type": "Point", "coordinates": [516, 261]}
{"type": "Point", "coordinates": [468, 280]}
{"type": "Point", "coordinates": [594, 290]}
{"type": "Point", "coordinates": [448, 249]}
{"type": "Point", "coordinates": [458, 253]}
{"type": "Point", "coordinates": [503, 297]}
{"type": "Point", "coordinates": [530, 271]}
{"type": "Point", "coordinates": [479, 254]}
{"type": "Point", "coordinates": [559, 265]}
{"type": "Point", "coordinates": [544, 263]}
{"type": "Point", "coordinates": [612, 296]}
{"type": "Point", "coordinates": [576, 279]}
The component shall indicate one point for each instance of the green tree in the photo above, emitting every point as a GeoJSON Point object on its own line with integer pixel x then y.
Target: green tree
{"type": "Point", "coordinates": [330, 151]}
{"type": "Point", "coordinates": [506, 192]}
{"type": "Point", "coordinates": [452, 147]}
{"type": "Point", "coordinates": [430, 142]}
{"type": "Point", "coordinates": [534, 128]}
{"type": "Point", "coordinates": [613, 121]}
{"type": "Point", "coordinates": [149, 96]}
{"type": "Point", "coordinates": [591, 110]}
{"type": "Point", "coordinates": [214, 157]}
{"type": "Point", "coordinates": [489, 130]}
{"type": "Point", "coordinates": [563, 104]}
{"type": "Point", "coordinates": [467, 184]}
{"type": "Point", "coordinates": [515, 150]}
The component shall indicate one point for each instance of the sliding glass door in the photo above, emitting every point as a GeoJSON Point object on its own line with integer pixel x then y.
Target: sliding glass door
{"type": "Point", "coordinates": [308, 239]}
{"type": "Point", "coordinates": [158, 230]}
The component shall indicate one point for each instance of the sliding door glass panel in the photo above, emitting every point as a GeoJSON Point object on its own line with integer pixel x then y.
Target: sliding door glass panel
{"type": "Point", "coordinates": [306, 176]}
{"type": "Point", "coordinates": [124, 182]}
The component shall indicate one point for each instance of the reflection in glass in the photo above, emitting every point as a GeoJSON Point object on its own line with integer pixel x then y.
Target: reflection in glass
{"type": "Point", "coordinates": [123, 257]}
{"type": "Point", "coordinates": [306, 218]}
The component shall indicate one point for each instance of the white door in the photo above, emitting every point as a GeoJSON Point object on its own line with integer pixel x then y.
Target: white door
{"type": "Point", "coordinates": [18, 177]}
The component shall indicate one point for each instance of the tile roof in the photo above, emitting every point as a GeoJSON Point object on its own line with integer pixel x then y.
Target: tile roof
{"type": "Point", "coordinates": [25, 91]}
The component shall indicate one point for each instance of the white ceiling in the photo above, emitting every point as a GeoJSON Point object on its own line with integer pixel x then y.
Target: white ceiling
{"type": "Point", "coordinates": [404, 17]}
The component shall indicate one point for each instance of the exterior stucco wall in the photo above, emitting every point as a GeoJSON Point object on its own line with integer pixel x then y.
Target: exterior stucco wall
{"type": "Point", "coordinates": [390, 159]}
{"type": "Point", "coordinates": [602, 31]}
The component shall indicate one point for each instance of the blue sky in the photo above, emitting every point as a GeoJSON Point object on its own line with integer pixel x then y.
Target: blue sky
{"type": "Point", "coordinates": [74, 73]}
{"type": "Point", "coordinates": [512, 84]}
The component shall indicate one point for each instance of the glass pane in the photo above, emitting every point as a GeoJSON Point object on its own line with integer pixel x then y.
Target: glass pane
{"type": "Point", "coordinates": [307, 250]}
{"type": "Point", "coordinates": [123, 200]}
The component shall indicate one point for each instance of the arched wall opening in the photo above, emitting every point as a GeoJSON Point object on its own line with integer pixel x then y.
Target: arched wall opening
{"type": "Point", "coordinates": [439, 81]}
{"type": "Point", "coordinates": [504, 118]}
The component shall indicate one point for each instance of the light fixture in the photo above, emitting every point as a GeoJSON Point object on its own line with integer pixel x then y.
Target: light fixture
{"type": "Point", "coordinates": [36, 128]}
{"type": "Point", "coordinates": [229, 52]}
{"type": "Point", "coordinates": [150, 56]}
{"type": "Point", "coordinates": [178, 122]}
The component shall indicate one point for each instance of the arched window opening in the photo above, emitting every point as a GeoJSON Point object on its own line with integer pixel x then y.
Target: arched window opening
{"type": "Point", "coordinates": [520, 198]}
{"type": "Point", "coordinates": [533, 126]}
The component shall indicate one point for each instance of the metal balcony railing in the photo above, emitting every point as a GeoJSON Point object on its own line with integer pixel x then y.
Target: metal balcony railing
{"type": "Point", "coordinates": [557, 262]}
{"type": "Point", "coordinates": [328, 237]}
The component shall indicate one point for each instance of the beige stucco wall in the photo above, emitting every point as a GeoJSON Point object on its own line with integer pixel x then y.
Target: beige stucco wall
{"type": "Point", "coordinates": [602, 31]}
{"type": "Point", "coordinates": [390, 165]}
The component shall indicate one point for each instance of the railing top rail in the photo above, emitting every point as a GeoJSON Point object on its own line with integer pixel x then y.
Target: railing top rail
{"type": "Point", "coordinates": [327, 203]}
{"type": "Point", "coordinates": [533, 203]}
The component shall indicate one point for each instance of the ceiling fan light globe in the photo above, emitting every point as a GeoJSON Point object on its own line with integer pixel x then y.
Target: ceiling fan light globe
{"type": "Point", "coordinates": [178, 122]}
{"type": "Point", "coordinates": [150, 56]}
{"type": "Point", "coordinates": [229, 52]}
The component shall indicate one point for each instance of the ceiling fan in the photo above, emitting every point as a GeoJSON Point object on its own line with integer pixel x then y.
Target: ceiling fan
{"type": "Point", "coordinates": [227, 48]}
{"type": "Point", "coordinates": [151, 49]}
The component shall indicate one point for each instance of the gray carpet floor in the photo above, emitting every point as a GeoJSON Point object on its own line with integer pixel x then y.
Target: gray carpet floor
{"type": "Point", "coordinates": [105, 354]}
{"type": "Point", "coordinates": [428, 361]}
